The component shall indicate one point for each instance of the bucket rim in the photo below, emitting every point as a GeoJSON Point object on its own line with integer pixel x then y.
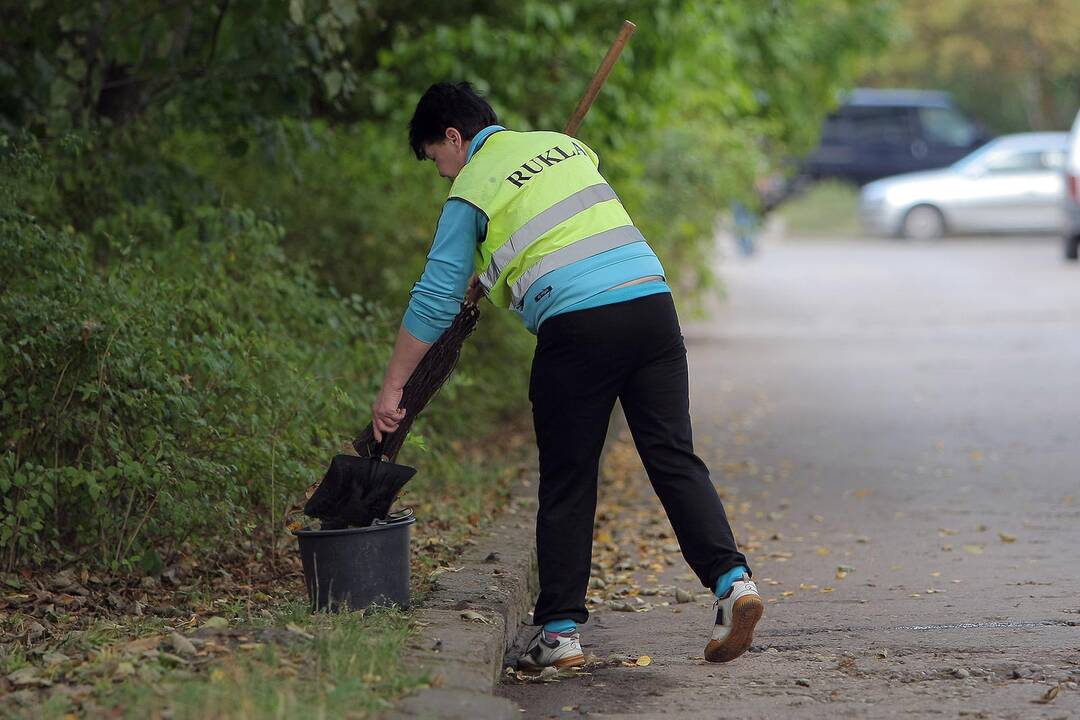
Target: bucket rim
{"type": "Point", "coordinates": [353, 531]}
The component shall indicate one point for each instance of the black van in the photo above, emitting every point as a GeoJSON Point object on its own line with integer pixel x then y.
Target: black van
{"type": "Point", "coordinates": [877, 133]}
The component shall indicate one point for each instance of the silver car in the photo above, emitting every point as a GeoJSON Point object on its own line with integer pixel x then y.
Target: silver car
{"type": "Point", "coordinates": [1072, 194]}
{"type": "Point", "coordinates": [1012, 184]}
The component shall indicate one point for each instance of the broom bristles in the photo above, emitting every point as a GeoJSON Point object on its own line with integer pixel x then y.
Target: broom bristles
{"type": "Point", "coordinates": [429, 376]}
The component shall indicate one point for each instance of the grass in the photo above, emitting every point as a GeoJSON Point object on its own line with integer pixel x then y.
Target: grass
{"type": "Point", "coordinates": [272, 658]}
{"type": "Point", "coordinates": [828, 207]}
{"type": "Point", "coordinates": [289, 664]}
{"type": "Point", "coordinates": [350, 666]}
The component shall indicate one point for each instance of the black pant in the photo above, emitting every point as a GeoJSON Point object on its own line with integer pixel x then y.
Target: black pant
{"type": "Point", "coordinates": [584, 360]}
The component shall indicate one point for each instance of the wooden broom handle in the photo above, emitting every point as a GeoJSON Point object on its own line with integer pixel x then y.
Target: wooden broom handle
{"type": "Point", "coordinates": [599, 77]}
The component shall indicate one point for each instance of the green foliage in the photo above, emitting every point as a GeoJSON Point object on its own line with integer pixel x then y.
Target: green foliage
{"type": "Point", "coordinates": [221, 63]}
{"type": "Point", "coordinates": [216, 220]}
{"type": "Point", "coordinates": [148, 404]}
{"type": "Point", "coordinates": [1012, 64]}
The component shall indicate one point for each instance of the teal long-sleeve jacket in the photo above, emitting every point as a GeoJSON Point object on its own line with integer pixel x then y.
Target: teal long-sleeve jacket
{"type": "Point", "coordinates": [436, 298]}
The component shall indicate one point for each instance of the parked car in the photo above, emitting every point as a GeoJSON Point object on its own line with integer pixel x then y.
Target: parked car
{"type": "Point", "coordinates": [877, 133]}
{"type": "Point", "coordinates": [1012, 184]}
{"type": "Point", "coordinates": [1072, 193]}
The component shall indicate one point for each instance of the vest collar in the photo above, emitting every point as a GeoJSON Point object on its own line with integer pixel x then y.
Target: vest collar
{"type": "Point", "coordinates": [480, 137]}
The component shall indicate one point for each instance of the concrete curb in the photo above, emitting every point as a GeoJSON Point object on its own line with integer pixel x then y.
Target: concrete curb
{"type": "Point", "coordinates": [498, 580]}
{"type": "Point", "coordinates": [471, 617]}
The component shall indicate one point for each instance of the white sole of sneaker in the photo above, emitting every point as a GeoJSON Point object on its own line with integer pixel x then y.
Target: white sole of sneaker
{"type": "Point", "coordinates": [745, 614]}
{"type": "Point", "coordinates": [576, 661]}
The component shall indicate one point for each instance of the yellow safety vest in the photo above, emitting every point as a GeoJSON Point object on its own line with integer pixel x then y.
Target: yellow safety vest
{"type": "Point", "coordinates": [547, 206]}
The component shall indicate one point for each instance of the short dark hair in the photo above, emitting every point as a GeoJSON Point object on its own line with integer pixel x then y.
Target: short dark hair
{"type": "Point", "coordinates": [448, 105]}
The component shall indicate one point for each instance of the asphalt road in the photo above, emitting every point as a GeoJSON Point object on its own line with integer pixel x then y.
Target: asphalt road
{"type": "Point", "coordinates": [894, 428]}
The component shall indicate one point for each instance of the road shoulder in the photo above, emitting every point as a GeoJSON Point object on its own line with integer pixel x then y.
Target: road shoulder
{"type": "Point", "coordinates": [472, 615]}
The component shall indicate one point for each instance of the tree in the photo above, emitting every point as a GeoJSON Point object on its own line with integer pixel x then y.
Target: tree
{"type": "Point", "coordinates": [1013, 63]}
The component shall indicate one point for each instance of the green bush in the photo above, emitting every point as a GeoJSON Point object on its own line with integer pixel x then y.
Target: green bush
{"type": "Point", "coordinates": [206, 263]}
{"type": "Point", "coordinates": [192, 385]}
{"type": "Point", "coordinates": [170, 397]}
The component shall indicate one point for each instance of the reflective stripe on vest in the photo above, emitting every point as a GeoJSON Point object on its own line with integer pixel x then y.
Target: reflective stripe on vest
{"type": "Point", "coordinates": [531, 231]}
{"type": "Point", "coordinates": [546, 204]}
{"type": "Point", "coordinates": [592, 245]}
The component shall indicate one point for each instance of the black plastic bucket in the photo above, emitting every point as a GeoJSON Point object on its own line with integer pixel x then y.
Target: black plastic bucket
{"type": "Point", "coordinates": [354, 568]}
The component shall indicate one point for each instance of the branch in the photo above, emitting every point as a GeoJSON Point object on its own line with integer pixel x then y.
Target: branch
{"type": "Point", "coordinates": [217, 32]}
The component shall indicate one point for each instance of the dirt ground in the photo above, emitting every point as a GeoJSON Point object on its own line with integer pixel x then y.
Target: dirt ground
{"type": "Point", "coordinates": [893, 429]}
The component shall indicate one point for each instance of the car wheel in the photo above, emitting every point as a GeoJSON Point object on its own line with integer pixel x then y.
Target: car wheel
{"type": "Point", "coordinates": [1072, 246]}
{"type": "Point", "coordinates": [923, 222]}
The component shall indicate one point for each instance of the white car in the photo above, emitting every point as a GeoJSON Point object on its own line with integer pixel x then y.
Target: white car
{"type": "Point", "coordinates": [1011, 184]}
{"type": "Point", "coordinates": [1072, 193]}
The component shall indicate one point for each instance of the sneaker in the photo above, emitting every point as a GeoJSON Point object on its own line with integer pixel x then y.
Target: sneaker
{"type": "Point", "coordinates": [548, 649]}
{"type": "Point", "coordinates": [737, 614]}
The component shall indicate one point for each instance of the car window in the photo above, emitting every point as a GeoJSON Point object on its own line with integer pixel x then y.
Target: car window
{"type": "Point", "coordinates": [835, 131]}
{"type": "Point", "coordinates": [877, 125]}
{"type": "Point", "coordinates": [1053, 159]}
{"type": "Point", "coordinates": [1008, 161]}
{"type": "Point", "coordinates": [945, 126]}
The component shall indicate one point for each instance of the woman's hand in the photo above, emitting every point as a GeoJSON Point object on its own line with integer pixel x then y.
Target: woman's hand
{"type": "Point", "coordinates": [475, 291]}
{"type": "Point", "coordinates": [386, 413]}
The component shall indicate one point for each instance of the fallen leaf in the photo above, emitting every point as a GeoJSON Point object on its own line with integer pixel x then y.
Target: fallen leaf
{"type": "Point", "coordinates": [216, 622]}
{"type": "Point", "coordinates": [1007, 537]}
{"type": "Point", "coordinates": [1049, 695]}
{"type": "Point", "coordinates": [297, 630]}
{"type": "Point", "coordinates": [181, 644]}
{"type": "Point", "coordinates": [473, 616]}
{"type": "Point", "coordinates": [55, 658]}
{"type": "Point", "coordinates": [823, 551]}
{"type": "Point", "coordinates": [34, 631]}
{"type": "Point", "coordinates": [974, 549]}
{"type": "Point", "coordinates": [643, 661]}
{"type": "Point", "coordinates": [27, 676]}
{"type": "Point", "coordinates": [137, 647]}
{"type": "Point", "coordinates": [171, 659]}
